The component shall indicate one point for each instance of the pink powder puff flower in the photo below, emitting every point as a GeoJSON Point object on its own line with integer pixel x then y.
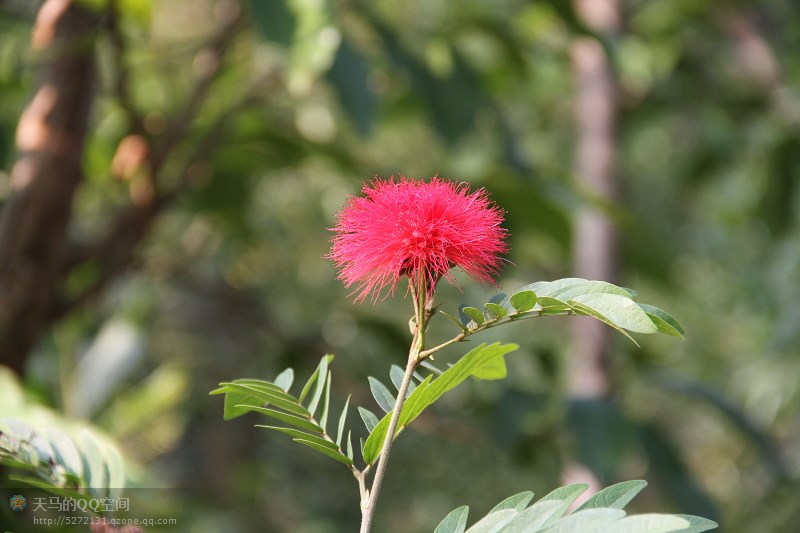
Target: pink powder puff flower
{"type": "Point", "coordinates": [410, 227]}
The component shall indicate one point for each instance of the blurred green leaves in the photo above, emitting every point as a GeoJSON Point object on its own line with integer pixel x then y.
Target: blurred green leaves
{"type": "Point", "coordinates": [602, 513]}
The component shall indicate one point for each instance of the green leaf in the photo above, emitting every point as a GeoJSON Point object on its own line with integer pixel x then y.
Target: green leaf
{"type": "Point", "coordinates": [454, 522]}
{"type": "Point", "coordinates": [553, 305]}
{"type": "Point", "coordinates": [454, 320]}
{"type": "Point", "coordinates": [285, 379]}
{"type": "Point", "coordinates": [616, 496]}
{"type": "Point", "coordinates": [349, 446]}
{"type": "Point", "coordinates": [573, 290]}
{"type": "Point", "coordinates": [474, 314]}
{"type": "Point", "coordinates": [481, 361]}
{"type": "Point", "coordinates": [536, 516]}
{"type": "Point", "coordinates": [307, 387]}
{"type": "Point", "coordinates": [517, 501]}
{"type": "Point", "coordinates": [588, 311]}
{"type": "Point", "coordinates": [568, 493]}
{"type": "Point", "coordinates": [496, 309]}
{"type": "Point", "coordinates": [350, 76]}
{"type": "Point", "coordinates": [326, 403]}
{"type": "Point", "coordinates": [396, 374]}
{"type": "Point", "coordinates": [342, 420]}
{"type": "Point", "coordinates": [523, 300]}
{"type": "Point", "coordinates": [586, 521]}
{"type": "Point", "coordinates": [369, 418]}
{"type": "Point", "coordinates": [664, 322]}
{"type": "Point", "coordinates": [265, 396]}
{"type": "Point", "coordinates": [333, 454]}
{"type": "Point", "coordinates": [381, 394]}
{"type": "Point", "coordinates": [322, 372]}
{"type": "Point", "coordinates": [648, 523]}
{"type": "Point", "coordinates": [621, 310]}
{"type": "Point", "coordinates": [286, 418]}
{"type": "Point", "coordinates": [494, 521]}
{"type": "Point", "coordinates": [297, 434]}
{"type": "Point", "coordinates": [697, 524]}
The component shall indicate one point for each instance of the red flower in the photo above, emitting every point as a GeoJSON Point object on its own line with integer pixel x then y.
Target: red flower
{"type": "Point", "coordinates": [422, 230]}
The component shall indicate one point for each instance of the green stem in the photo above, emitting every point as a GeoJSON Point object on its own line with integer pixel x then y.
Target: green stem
{"type": "Point", "coordinates": [418, 294]}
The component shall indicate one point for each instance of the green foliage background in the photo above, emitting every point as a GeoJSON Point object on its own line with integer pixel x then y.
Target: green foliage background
{"type": "Point", "coordinates": [320, 96]}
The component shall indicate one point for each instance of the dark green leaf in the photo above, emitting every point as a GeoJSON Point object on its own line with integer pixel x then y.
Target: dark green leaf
{"type": "Point", "coordinates": [275, 19]}
{"type": "Point", "coordinates": [286, 418]}
{"type": "Point", "coordinates": [333, 454]}
{"type": "Point", "coordinates": [350, 75]}
{"type": "Point", "coordinates": [664, 322]}
{"type": "Point", "coordinates": [297, 434]}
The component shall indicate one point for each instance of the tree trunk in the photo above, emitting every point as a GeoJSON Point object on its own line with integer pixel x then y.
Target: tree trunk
{"type": "Point", "coordinates": [50, 140]}
{"type": "Point", "coordinates": [595, 237]}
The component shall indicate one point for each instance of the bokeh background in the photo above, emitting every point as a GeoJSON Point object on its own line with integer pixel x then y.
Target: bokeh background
{"type": "Point", "coordinates": [652, 143]}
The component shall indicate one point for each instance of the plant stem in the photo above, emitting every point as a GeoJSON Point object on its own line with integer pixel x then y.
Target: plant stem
{"type": "Point", "coordinates": [418, 294]}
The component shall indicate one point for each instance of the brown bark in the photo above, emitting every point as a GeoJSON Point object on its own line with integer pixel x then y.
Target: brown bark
{"type": "Point", "coordinates": [36, 255]}
{"type": "Point", "coordinates": [50, 139]}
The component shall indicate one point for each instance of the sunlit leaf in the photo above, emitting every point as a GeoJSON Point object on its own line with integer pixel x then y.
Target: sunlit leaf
{"type": "Point", "coordinates": [523, 301]}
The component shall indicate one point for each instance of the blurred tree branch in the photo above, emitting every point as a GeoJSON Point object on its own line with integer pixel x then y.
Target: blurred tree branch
{"type": "Point", "coordinates": [50, 139]}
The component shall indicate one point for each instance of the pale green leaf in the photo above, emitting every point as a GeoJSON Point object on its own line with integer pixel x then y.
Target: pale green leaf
{"type": "Point", "coordinates": [342, 420]}
{"type": "Point", "coordinates": [322, 373]}
{"type": "Point", "coordinates": [326, 403]}
{"type": "Point", "coordinates": [493, 522]}
{"type": "Point", "coordinates": [313, 379]}
{"type": "Point", "coordinates": [585, 521]}
{"type": "Point", "coordinates": [396, 374]}
{"type": "Point", "coordinates": [536, 516]}
{"type": "Point", "coordinates": [454, 522]}
{"type": "Point", "coordinates": [517, 501]}
{"type": "Point", "coordinates": [381, 393]}
{"type": "Point", "coordinates": [648, 523]}
{"type": "Point", "coordinates": [369, 418]}
{"type": "Point", "coordinates": [573, 290]}
{"type": "Point", "coordinates": [616, 496]}
{"type": "Point", "coordinates": [285, 379]}
{"type": "Point", "coordinates": [697, 524]}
